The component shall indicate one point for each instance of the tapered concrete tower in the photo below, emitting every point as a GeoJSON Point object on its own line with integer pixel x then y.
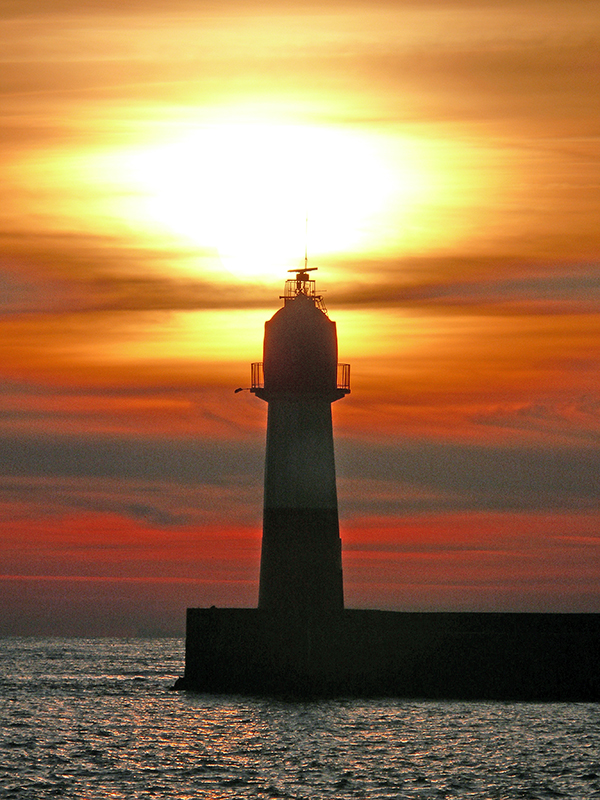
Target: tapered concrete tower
{"type": "Point", "coordinates": [301, 568]}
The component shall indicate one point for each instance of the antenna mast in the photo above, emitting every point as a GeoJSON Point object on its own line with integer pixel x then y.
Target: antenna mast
{"type": "Point", "coordinates": [306, 243]}
{"type": "Point", "coordinates": [302, 283]}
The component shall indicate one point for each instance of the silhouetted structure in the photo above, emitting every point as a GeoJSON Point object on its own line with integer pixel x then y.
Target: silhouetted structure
{"type": "Point", "coordinates": [300, 640]}
{"type": "Point", "coordinates": [301, 558]}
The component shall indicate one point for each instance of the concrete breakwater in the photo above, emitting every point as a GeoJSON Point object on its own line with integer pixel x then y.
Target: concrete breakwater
{"type": "Point", "coordinates": [495, 656]}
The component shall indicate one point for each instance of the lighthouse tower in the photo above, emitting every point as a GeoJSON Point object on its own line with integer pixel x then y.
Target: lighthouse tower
{"type": "Point", "coordinates": [299, 378]}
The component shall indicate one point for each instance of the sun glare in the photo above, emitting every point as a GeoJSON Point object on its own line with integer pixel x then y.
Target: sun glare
{"type": "Point", "coordinates": [247, 189]}
{"type": "Point", "coordinates": [232, 198]}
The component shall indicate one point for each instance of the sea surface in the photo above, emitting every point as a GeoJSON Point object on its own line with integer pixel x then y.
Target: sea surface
{"type": "Point", "coordinates": [95, 719]}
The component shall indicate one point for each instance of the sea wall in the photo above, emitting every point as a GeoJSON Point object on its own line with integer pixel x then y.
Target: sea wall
{"type": "Point", "coordinates": [384, 653]}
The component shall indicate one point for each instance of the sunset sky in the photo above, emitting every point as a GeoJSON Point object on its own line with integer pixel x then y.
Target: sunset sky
{"type": "Point", "coordinates": [159, 160]}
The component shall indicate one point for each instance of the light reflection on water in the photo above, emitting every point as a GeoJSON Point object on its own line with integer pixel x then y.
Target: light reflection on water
{"type": "Point", "coordinates": [95, 719]}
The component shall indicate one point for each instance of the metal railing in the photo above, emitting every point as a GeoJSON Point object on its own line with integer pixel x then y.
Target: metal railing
{"type": "Point", "coordinates": [295, 287]}
{"type": "Point", "coordinates": [343, 377]}
{"type": "Point", "coordinates": [257, 376]}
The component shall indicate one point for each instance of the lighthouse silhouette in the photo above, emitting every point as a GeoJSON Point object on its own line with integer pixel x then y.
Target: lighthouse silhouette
{"type": "Point", "coordinates": [300, 378]}
{"type": "Point", "coordinates": [301, 641]}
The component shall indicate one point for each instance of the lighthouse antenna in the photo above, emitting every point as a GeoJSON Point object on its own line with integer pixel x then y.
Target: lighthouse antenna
{"type": "Point", "coordinates": [306, 243]}
{"type": "Point", "coordinates": [302, 283]}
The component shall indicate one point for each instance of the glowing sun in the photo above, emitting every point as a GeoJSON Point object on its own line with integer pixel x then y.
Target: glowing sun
{"type": "Point", "coordinates": [246, 189]}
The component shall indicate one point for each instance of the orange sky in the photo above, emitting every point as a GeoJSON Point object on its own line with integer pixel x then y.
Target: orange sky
{"type": "Point", "coordinates": [158, 163]}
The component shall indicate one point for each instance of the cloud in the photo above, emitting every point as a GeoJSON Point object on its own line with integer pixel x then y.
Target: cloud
{"type": "Point", "coordinates": [184, 461]}
{"type": "Point", "coordinates": [71, 272]}
{"type": "Point", "coordinates": [429, 476]}
{"type": "Point", "coordinates": [473, 561]}
{"type": "Point", "coordinates": [163, 484]}
{"type": "Point", "coordinates": [155, 503]}
{"type": "Point", "coordinates": [486, 284]}
{"type": "Point", "coordinates": [115, 292]}
{"type": "Point", "coordinates": [87, 273]}
{"type": "Point", "coordinates": [170, 482]}
{"type": "Point", "coordinates": [487, 62]}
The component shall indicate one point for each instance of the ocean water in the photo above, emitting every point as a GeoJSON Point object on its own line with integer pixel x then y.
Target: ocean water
{"type": "Point", "coordinates": [95, 719]}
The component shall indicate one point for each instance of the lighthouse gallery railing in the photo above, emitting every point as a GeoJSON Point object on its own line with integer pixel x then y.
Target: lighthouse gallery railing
{"type": "Point", "coordinates": [257, 377]}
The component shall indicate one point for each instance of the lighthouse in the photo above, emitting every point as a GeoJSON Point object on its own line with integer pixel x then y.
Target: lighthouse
{"type": "Point", "coordinates": [301, 641]}
{"type": "Point", "coordinates": [300, 378]}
